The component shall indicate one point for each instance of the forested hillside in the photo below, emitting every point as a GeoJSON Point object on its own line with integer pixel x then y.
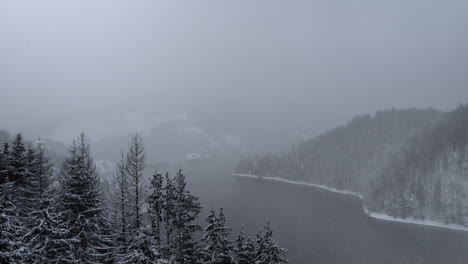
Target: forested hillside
{"type": "Point", "coordinates": [428, 177]}
{"type": "Point", "coordinates": [68, 218]}
{"type": "Point", "coordinates": [407, 163]}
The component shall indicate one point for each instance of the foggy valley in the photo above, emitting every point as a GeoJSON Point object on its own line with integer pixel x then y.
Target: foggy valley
{"type": "Point", "coordinates": [234, 132]}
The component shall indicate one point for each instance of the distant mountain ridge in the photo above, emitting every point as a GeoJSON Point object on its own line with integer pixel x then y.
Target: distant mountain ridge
{"type": "Point", "coordinates": [393, 158]}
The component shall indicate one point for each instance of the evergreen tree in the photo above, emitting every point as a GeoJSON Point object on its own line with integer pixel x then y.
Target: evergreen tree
{"type": "Point", "coordinates": [19, 201]}
{"type": "Point", "coordinates": [3, 164]}
{"type": "Point", "coordinates": [155, 204]}
{"type": "Point", "coordinates": [120, 205]}
{"type": "Point", "coordinates": [211, 237]}
{"type": "Point", "coordinates": [169, 198]}
{"type": "Point", "coordinates": [143, 250]}
{"type": "Point", "coordinates": [45, 230]}
{"type": "Point", "coordinates": [17, 162]}
{"type": "Point", "coordinates": [12, 250]}
{"type": "Point", "coordinates": [135, 166]}
{"type": "Point", "coordinates": [245, 249]}
{"type": "Point", "coordinates": [267, 250]}
{"type": "Point", "coordinates": [218, 246]}
{"type": "Point", "coordinates": [47, 239]}
{"type": "Point", "coordinates": [36, 229]}
{"type": "Point", "coordinates": [186, 210]}
{"type": "Point", "coordinates": [43, 172]}
{"type": "Point", "coordinates": [82, 206]}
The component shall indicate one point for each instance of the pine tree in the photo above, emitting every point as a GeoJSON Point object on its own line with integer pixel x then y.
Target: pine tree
{"type": "Point", "coordinates": [47, 238]}
{"type": "Point", "coordinates": [82, 206]}
{"type": "Point", "coordinates": [45, 230]}
{"type": "Point", "coordinates": [155, 204]}
{"type": "Point", "coordinates": [169, 198]}
{"type": "Point", "coordinates": [218, 248]}
{"type": "Point", "coordinates": [120, 205]}
{"type": "Point", "coordinates": [211, 237]}
{"type": "Point", "coordinates": [12, 250]}
{"type": "Point", "coordinates": [3, 164]}
{"type": "Point", "coordinates": [17, 162]}
{"type": "Point", "coordinates": [143, 250]}
{"type": "Point", "coordinates": [186, 210]}
{"type": "Point", "coordinates": [21, 171]}
{"type": "Point", "coordinates": [226, 244]}
{"type": "Point", "coordinates": [267, 250]}
{"type": "Point", "coordinates": [135, 166]}
{"type": "Point", "coordinates": [245, 249]}
{"type": "Point", "coordinates": [43, 172]}
{"type": "Point", "coordinates": [19, 197]}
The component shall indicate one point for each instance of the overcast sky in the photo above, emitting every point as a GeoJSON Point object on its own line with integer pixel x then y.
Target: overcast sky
{"type": "Point", "coordinates": [240, 66]}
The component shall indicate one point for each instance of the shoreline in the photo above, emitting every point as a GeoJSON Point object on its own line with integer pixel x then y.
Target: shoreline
{"type": "Point", "coordinates": [375, 215]}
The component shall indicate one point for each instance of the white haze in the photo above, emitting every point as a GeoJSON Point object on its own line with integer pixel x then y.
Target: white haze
{"type": "Point", "coordinates": [266, 71]}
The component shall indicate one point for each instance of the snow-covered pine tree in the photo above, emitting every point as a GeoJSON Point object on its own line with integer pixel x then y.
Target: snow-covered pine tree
{"type": "Point", "coordinates": [82, 206]}
{"type": "Point", "coordinates": [135, 165]}
{"type": "Point", "coordinates": [45, 231]}
{"type": "Point", "coordinates": [18, 203]}
{"type": "Point", "coordinates": [268, 250]}
{"type": "Point", "coordinates": [120, 205]}
{"type": "Point", "coordinates": [169, 197]}
{"type": "Point", "coordinates": [211, 237]}
{"type": "Point", "coordinates": [21, 172]}
{"type": "Point", "coordinates": [218, 245]}
{"type": "Point", "coordinates": [12, 250]}
{"type": "Point", "coordinates": [143, 250]}
{"type": "Point", "coordinates": [3, 163]}
{"type": "Point", "coordinates": [186, 210]}
{"type": "Point", "coordinates": [43, 172]}
{"type": "Point", "coordinates": [226, 244]}
{"type": "Point", "coordinates": [244, 249]}
{"type": "Point", "coordinates": [17, 162]}
{"type": "Point", "coordinates": [155, 204]}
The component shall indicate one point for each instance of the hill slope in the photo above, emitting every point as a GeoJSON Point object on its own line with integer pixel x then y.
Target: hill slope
{"type": "Point", "coordinates": [417, 153]}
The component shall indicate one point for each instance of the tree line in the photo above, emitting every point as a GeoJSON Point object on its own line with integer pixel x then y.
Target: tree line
{"type": "Point", "coordinates": [65, 217]}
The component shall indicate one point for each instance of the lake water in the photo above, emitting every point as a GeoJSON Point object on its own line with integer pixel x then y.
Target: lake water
{"type": "Point", "coordinates": [318, 226]}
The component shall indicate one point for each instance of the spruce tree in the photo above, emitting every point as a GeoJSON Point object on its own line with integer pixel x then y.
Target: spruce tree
{"type": "Point", "coordinates": [17, 162]}
{"type": "Point", "coordinates": [3, 164]}
{"type": "Point", "coordinates": [45, 230]}
{"type": "Point", "coordinates": [18, 197]}
{"type": "Point", "coordinates": [120, 205]}
{"type": "Point", "coordinates": [155, 204]}
{"type": "Point", "coordinates": [12, 249]}
{"type": "Point", "coordinates": [245, 249]}
{"type": "Point", "coordinates": [186, 210]}
{"type": "Point", "coordinates": [211, 237]}
{"type": "Point", "coordinates": [43, 172]}
{"type": "Point", "coordinates": [268, 250]}
{"type": "Point", "coordinates": [135, 166]}
{"type": "Point", "coordinates": [169, 198]}
{"type": "Point", "coordinates": [82, 206]}
{"type": "Point", "coordinates": [143, 250]}
{"type": "Point", "coordinates": [218, 245]}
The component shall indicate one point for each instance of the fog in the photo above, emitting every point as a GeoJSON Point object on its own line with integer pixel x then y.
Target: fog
{"type": "Point", "coordinates": [261, 71]}
{"type": "Point", "coordinates": [243, 97]}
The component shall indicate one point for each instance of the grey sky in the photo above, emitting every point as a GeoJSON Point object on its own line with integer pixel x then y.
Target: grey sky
{"type": "Point", "coordinates": [237, 66]}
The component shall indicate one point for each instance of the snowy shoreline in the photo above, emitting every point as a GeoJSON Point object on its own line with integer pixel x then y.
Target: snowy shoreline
{"type": "Point", "coordinates": [379, 216]}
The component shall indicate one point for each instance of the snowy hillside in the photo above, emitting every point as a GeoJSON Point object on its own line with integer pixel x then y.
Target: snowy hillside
{"type": "Point", "coordinates": [406, 163]}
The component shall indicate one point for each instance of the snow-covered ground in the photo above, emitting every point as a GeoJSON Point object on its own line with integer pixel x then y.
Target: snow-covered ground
{"type": "Point", "coordinates": [375, 215]}
{"type": "Point", "coordinates": [415, 221]}
{"type": "Point", "coordinates": [299, 183]}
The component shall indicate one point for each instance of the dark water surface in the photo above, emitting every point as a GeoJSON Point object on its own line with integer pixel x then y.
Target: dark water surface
{"type": "Point", "coordinates": [318, 226]}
